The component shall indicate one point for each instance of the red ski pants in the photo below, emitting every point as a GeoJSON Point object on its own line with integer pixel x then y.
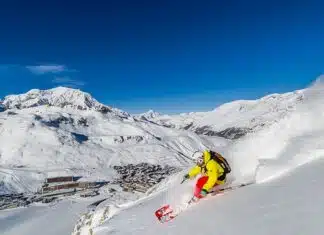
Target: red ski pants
{"type": "Point", "coordinates": [200, 184]}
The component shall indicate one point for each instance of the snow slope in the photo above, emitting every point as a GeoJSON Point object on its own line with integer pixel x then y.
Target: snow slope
{"type": "Point", "coordinates": [53, 219]}
{"type": "Point", "coordinates": [278, 207]}
{"type": "Point", "coordinates": [280, 159]}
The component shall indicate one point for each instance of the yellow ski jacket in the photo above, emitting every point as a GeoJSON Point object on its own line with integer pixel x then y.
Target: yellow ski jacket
{"type": "Point", "coordinates": [211, 168]}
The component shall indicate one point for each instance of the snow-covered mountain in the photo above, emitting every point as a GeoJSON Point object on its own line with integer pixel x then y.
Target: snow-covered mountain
{"type": "Point", "coordinates": [61, 97]}
{"type": "Point", "coordinates": [151, 114]}
{"type": "Point", "coordinates": [234, 119]}
{"type": "Point", "coordinates": [66, 131]}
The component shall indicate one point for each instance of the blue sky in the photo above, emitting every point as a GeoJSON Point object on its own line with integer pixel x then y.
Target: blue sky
{"type": "Point", "coordinates": [170, 56]}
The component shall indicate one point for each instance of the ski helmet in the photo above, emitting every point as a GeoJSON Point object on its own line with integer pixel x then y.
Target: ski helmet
{"type": "Point", "coordinates": [198, 157]}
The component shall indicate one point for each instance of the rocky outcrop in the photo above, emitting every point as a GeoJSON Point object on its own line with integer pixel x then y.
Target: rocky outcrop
{"type": "Point", "coordinates": [130, 139]}
{"type": "Point", "coordinates": [229, 133]}
{"type": "Point", "coordinates": [63, 120]}
{"type": "Point", "coordinates": [56, 122]}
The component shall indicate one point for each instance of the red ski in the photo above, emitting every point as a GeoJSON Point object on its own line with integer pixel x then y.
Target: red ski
{"type": "Point", "coordinates": [164, 214]}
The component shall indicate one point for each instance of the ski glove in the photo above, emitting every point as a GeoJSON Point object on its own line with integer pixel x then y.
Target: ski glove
{"type": "Point", "coordinates": [203, 193]}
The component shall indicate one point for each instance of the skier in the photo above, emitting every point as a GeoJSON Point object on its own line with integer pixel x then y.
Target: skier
{"type": "Point", "coordinates": [213, 169]}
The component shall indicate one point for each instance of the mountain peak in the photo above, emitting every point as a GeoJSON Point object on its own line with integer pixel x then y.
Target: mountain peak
{"type": "Point", "coordinates": [148, 115]}
{"type": "Point", "coordinates": [62, 97]}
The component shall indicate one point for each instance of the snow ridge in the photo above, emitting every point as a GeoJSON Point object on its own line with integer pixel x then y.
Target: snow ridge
{"type": "Point", "coordinates": [147, 116]}
{"type": "Point", "coordinates": [235, 119]}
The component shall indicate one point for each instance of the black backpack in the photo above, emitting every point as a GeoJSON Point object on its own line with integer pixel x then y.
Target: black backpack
{"type": "Point", "coordinates": [221, 161]}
